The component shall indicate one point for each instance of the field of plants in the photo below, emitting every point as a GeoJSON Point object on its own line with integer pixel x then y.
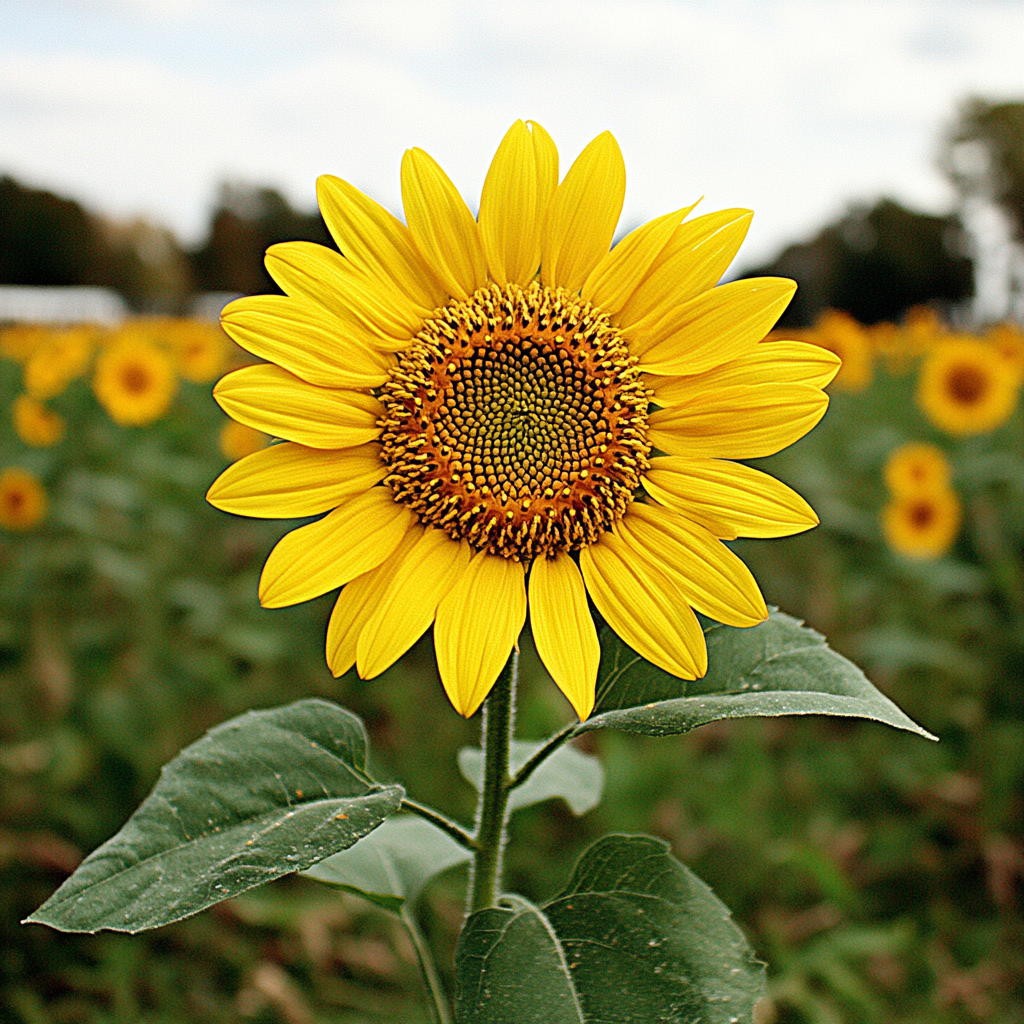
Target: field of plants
{"type": "Point", "coordinates": [879, 875]}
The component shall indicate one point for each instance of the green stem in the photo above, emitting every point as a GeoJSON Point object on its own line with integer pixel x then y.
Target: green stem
{"type": "Point", "coordinates": [492, 810]}
{"type": "Point", "coordinates": [438, 999]}
{"type": "Point", "coordinates": [457, 832]}
{"type": "Point", "coordinates": [542, 755]}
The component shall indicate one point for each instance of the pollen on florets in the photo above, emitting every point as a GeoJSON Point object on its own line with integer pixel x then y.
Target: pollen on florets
{"type": "Point", "coordinates": [516, 420]}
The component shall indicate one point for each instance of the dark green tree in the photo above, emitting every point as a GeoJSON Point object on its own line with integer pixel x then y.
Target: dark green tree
{"type": "Point", "coordinates": [875, 263]}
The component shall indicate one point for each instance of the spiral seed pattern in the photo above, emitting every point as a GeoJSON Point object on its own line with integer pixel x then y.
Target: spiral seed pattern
{"type": "Point", "coordinates": [516, 420]}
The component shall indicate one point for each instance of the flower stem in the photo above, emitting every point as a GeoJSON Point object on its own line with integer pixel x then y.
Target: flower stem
{"type": "Point", "coordinates": [492, 810]}
{"type": "Point", "coordinates": [438, 999]}
{"type": "Point", "coordinates": [459, 834]}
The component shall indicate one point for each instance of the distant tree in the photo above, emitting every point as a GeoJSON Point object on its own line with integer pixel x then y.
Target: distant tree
{"type": "Point", "coordinates": [245, 223]}
{"type": "Point", "coordinates": [875, 263]}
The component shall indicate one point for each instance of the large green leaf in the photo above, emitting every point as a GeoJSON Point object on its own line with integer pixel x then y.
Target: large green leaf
{"type": "Point", "coordinates": [575, 777]}
{"type": "Point", "coordinates": [779, 667]}
{"type": "Point", "coordinates": [393, 863]}
{"type": "Point", "coordinates": [636, 937]}
{"type": "Point", "coordinates": [263, 795]}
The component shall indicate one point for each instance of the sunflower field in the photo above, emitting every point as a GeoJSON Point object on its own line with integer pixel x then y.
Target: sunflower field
{"type": "Point", "coordinates": [879, 875]}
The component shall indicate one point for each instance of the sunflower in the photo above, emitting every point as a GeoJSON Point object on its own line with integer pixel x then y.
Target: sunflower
{"type": "Point", "coordinates": [236, 440]}
{"type": "Point", "coordinates": [34, 423]}
{"type": "Point", "coordinates": [57, 361]}
{"type": "Point", "coordinates": [1008, 341]}
{"type": "Point", "coordinates": [840, 333]}
{"type": "Point", "coordinates": [22, 500]}
{"type": "Point", "coordinates": [501, 412]}
{"type": "Point", "coordinates": [916, 469]}
{"type": "Point", "coordinates": [201, 349]}
{"type": "Point", "coordinates": [134, 381]}
{"type": "Point", "coordinates": [965, 387]}
{"type": "Point", "coordinates": [922, 525]}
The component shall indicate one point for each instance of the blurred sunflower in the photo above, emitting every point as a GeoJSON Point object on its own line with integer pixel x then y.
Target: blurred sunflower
{"type": "Point", "coordinates": [472, 399]}
{"type": "Point", "coordinates": [56, 362]}
{"type": "Point", "coordinates": [922, 525]}
{"type": "Point", "coordinates": [840, 333]}
{"type": "Point", "coordinates": [236, 440]}
{"type": "Point", "coordinates": [19, 341]}
{"type": "Point", "coordinates": [34, 424]}
{"type": "Point", "coordinates": [134, 382]}
{"type": "Point", "coordinates": [201, 349]}
{"type": "Point", "coordinates": [1008, 341]}
{"type": "Point", "coordinates": [965, 387]}
{"type": "Point", "coordinates": [22, 500]}
{"type": "Point", "coordinates": [916, 468]}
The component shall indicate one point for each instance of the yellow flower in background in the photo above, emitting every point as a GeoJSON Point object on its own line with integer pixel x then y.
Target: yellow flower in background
{"type": "Point", "coordinates": [476, 402]}
{"type": "Point", "coordinates": [965, 387]}
{"type": "Point", "coordinates": [236, 440]}
{"type": "Point", "coordinates": [57, 361]}
{"type": "Point", "coordinates": [922, 525]}
{"type": "Point", "coordinates": [22, 500]}
{"type": "Point", "coordinates": [1008, 341]}
{"type": "Point", "coordinates": [913, 468]}
{"type": "Point", "coordinates": [19, 341]}
{"type": "Point", "coordinates": [201, 349]}
{"type": "Point", "coordinates": [34, 424]}
{"type": "Point", "coordinates": [134, 382]}
{"type": "Point", "coordinates": [840, 333]}
{"type": "Point", "coordinates": [922, 328]}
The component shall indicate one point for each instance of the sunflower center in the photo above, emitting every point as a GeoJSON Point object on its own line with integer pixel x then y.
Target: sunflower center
{"type": "Point", "coordinates": [966, 384]}
{"type": "Point", "coordinates": [135, 379]}
{"type": "Point", "coordinates": [922, 515]}
{"type": "Point", "coordinates": [517, 420]}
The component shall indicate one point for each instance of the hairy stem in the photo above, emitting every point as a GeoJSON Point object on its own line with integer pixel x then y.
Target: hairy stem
{"type": "Point", "coordinates": [456, 831]}
{"type": "Point", "coordinates": [492, 810]}
{"type": "Point", "coordinates": [438, 999]}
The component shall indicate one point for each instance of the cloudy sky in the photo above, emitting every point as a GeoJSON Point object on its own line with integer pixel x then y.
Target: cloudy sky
{"type": "Point", "coordinates": [791, 108]}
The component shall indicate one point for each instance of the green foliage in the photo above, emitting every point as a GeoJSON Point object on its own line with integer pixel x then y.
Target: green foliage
{"type": "Point", "coordinates": [393, 864]}
{"type": "Point", "coordinates": [261, 796]}
{"type": "Point", "coordinates": [635, 937]}
{"type": "Point", "coordinates": [777, 668]}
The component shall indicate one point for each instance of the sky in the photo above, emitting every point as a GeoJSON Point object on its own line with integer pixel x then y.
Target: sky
{"type": "Point", "coordinates": [792, 109]}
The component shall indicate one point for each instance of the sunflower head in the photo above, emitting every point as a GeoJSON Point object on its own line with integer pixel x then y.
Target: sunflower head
{"type": "Point", "coordinates": [236, 440]}
{"type": "Point", "coordinates": [840, 333]}
{"type": "Point", "coordinates": [34, 423]}
{"type": "Point", "coordinates": [22, 500]}
{"type": "Point", "coordinates": [57, 361]}
{"type": "Point", "coordinates": [916, 469]}
{"type": "Point", "coordinates": [134, 381]}
{"type": "Point", "coordinates": [964, 387]}
{"type": "Point", "coordinates": [922, 525]}
{"type": "Point", "coordinates": [200, 349]}
{"type": "Point", "coordinates": [505, 412]}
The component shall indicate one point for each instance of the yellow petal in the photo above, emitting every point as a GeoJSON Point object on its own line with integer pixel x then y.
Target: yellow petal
{"type": "Point", "coordinates": [306, 340]}
{"type": "Point", "coordinates": [288, 480]}
{"type": "Point", "coordinates": [698, 254]}
{"type": "Point", "coordinates": [387, 318]}
{"type": "Point", "coordinates": [353, 539]}
{"type": "Point", "coordinates": [727, 498]}
{"type": "Point", "coordinates": [709, 576]}
{"type": "Point", "coordinates": [564, 631]}
{"type": "Point", "coordinates": [717, 326]}
{"type": "Point", "coordinates": [644, 607]}
{"type": "Point", "coordinates": [357, 602]}
{"type": "Point", "coordinates": [743, 422]}
{"type": "Point", "coordinates": [612, 282]}
{"type": "Point", "coordinates": [377, 242]}
{"type": "Point", "coordinates": [444, 229]}
{"type": "Point", "coordinates": [406, 608]}
{"type": "Point", "coordinates": [275, 401]}
{"type": "Point", "coordinates": [583, 215]}
{"type": "Point", "coordinates": [476, 627]}
{"type": "Point", "coordinates": [514, 203]}
{"type": "Point", "coordinates": [769, 362]}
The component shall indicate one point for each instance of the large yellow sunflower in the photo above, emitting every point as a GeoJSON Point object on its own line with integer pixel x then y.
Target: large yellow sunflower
{"type": "Point", "coordinates": [498, 412]}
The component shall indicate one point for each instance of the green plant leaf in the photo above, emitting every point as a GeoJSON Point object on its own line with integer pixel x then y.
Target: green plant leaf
{"type": "Point", "coordinates": [636, 937]}
{"type": "Point", "coordinates": [393, 863]}
{"type": "Point", "coordinates": [575, 777]}
{"type": "Point", "coordinates": [261, 796]}
{"type": "Point", "coordinates": [779, 667]}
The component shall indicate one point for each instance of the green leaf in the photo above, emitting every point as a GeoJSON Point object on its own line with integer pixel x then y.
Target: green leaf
{"type": "Point", "coordinates": [779, 667]}
{"type": "Point", "coordinates": [263, 795]}
{"type": "Point", "coordinates": [568, 773]}
{"type": "Point", "coordinates": [636, 937]}
{"type": "Point", "coordinates": [393, 863]}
